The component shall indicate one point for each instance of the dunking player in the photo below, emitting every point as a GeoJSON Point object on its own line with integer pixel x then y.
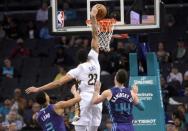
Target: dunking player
{"type": "Point", "coordinates": [120, 102]}
{"type": "Point", "coordinates": [50, 117]}
{"type": "Point", "coordinates": [88, 72]}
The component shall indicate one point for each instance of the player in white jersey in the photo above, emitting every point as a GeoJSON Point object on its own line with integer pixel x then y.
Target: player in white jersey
{"type": "Point", "coordinates": [87, 73]}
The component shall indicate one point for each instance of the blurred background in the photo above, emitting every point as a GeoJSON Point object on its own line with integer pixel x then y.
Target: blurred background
{"type": "Point", "coordinates": [29, 55]}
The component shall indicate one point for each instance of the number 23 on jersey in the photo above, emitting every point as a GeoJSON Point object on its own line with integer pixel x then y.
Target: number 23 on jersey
{"type": "Point", "coordinates": [92, 79]}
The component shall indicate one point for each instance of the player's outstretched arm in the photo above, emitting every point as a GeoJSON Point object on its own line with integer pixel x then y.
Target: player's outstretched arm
{"type": "Point", "coordinates": [94, 42]}
{"type": "Point", "coordinates": [71, 102]}
{"type": "Point", "coordinates": [49, 86]}
{"type": "Point", "coordinates": [100, 98]}
{"type": "Point", "coordinates": [138, 103]}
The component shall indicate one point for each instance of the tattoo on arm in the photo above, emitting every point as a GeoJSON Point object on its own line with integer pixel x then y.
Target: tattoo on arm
{"type": "Point", "coordinates": [94, 26]}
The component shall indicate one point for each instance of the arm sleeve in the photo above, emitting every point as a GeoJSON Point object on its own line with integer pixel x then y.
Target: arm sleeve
{"type": "Point", "coordinates": [75, 72]}
{"type": "Point", "coordinates": [93, 55]}
{"type": "Point", "coordinates": [140, 105]}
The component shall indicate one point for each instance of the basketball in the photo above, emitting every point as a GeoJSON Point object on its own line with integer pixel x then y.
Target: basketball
{"type": "Point", "coordinates": [102, 11]}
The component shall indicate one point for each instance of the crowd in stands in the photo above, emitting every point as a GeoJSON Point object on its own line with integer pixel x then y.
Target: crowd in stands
{"type": "Point", "coordinates": [31, 56]}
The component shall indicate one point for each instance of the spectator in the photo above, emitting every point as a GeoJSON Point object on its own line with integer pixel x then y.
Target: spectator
{"type": "Point", "coordinates": [61, 73]}
{"type": "Point", "coordinates": [85, 43]}
{"type": "Point", "coordinates": [70, 14]}
{"type": "Point", "coordinates": [179, 119]}
{"type": "Point", "coordinates": [2, 32]}
{"type": "Point", "coordinates": [60, 59]}
{"type": "Point", "coordinates": [164, 90]}
{"type": "Point", "coordinates": [105, 64]}
{"type": "Point", "coordinates": [10, 27]}
{"type": "Point", "coordinates": [178, 124]}
{"type": "Point", "coordinates": [20, 49]}
{"type": "Point", "coordinates": [13, 122]}
{"type": "Point", "coordinates": [14, 31]}
{"type": "Point", "coordinates": [162, 55]}
{"type": "Point", "coordinates": [29, 104]}
{"type": "Point", "coordinates": [185, 83]}
{"type": "Point", "coordinates": [44, 32]}
{"type": "Point", "coordinates": [186, 76]}
{"type": "Point", "coordinates": [42, 13]}
{"type": "Point", "coordinates": [28, 114]}
{"type": "Point", "coordinates": [170, 20]}
{"type": "Point", "coordinates": [63, 42]}
{"type": "Point", "coordinates": [175, 75]}
{"type": "Point", "coordinates": [19, 103]}
{"type": "Point", "coordinates": [5, 109]}
{"type": "Point", "coordinates": [31, 30]}
{"type": "Point", "coordinates": [1, 119]}
{"type": "Point", "coordinates": [31, 125]}
{"type": "Point", "coordinates": [8, 71]}
{"type": "Point", "coordinates": [6, 23]}
{"type": "Point", "coordinates": [174, 80]}
{"type": "Point", "coordinates": [181, 52]}
{"type": "Point", "coordinates": [114, 61]}
{"type": "Point", "coordinates": [184, 110]}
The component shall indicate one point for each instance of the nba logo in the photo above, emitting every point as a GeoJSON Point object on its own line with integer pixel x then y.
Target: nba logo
{"type": "Point", "coordinates": [60, 19]}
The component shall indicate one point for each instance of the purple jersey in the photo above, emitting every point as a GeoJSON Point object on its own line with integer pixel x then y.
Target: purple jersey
{"type": "Point", "coordinates": [49, 120]}
{"type": "Point", "coordinates": [120, 105]}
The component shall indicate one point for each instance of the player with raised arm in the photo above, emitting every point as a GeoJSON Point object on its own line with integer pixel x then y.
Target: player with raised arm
{"type": "Point", "coordinates": [50, 117]}
{"type": "Point", "coordinates": [120, 102]}
{"type": "Point", "coordinates": [87, 73]}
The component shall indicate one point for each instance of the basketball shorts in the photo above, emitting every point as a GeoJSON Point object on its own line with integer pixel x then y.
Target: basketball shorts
{"type": "Point", "coordinates": [90, 115]}
{"type": "Point", "coordinates": [122, 127]}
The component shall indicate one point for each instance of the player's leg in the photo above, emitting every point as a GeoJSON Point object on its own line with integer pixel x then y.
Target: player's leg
{"type": "Point", "coordinates": [92, 128]}
{"type": "Point", "coordinates": [80, 128]}
{"type": "Point", "coordinates": [96, 117]}
{"type": "Point", "coordinates": [85, 117]}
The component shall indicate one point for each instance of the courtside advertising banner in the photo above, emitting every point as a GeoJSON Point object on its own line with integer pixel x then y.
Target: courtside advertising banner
{"type": "Point", "coordinates": [152, 118]}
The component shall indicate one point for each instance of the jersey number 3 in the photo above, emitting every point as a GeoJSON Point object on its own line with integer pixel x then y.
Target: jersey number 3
{"type": "Point", "coordinates": [92, 79]}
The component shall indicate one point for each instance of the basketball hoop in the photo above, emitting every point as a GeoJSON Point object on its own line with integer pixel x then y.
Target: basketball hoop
{"type": "Point", "coordinates": [105, 32]}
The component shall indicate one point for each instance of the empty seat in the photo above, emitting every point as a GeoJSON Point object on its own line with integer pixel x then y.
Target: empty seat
{"type": "Point", "coordinates": [8, 46]}
{"type": "Point", "coordinates": [29, 72]}
{"type": "Point", "coordinates": [47, 71]}
{"type": "Point", "coordinates": [43, 47]}
{"type": "Point", "coordinates": [17, 62]}
{"type": "Point", "coordinates": [8, 86]}
{"type": "Point", "coordinates": [46, 62]}
{"type": "Point", "coordinates": [31, 44]}
{"type": "Point", "coordinates": [44, 80]}
{"type": "Point", "coordinates": [26, 82]}
{"type": "Point", "coordinates": [31, 62]}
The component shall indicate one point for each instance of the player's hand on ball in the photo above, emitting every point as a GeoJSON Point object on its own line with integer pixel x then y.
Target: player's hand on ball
{"type": "Point", "coordinates": [98, 86]}
{"type": "Point", "coordinates": [31, 90]}
{"type": "Point", "coordinates": [94, 11]}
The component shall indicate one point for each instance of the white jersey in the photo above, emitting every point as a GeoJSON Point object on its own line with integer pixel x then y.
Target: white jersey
{"type": "Point", "coordinates": [87, 73]}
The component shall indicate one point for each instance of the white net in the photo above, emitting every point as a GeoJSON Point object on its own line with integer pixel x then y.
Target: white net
{"type": "Point", "coordinates": [104, 40]}
{"type": "Point", "coordinates": [105, 33]}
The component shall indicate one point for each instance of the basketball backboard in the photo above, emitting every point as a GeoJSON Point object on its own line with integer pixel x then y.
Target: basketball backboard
{"type": "Point", "coordinates": [131, 15]}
